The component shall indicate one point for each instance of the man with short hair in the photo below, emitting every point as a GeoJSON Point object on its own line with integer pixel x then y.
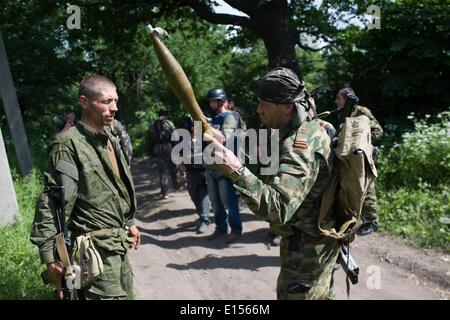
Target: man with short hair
{"type": "Point", "coordinates": [369, 210]}
{"type": "Point", "coordinates": [69, 121]}
{"type": "Point", "coordinates": [290, 198]}
{"type": "Point", "coordinates": [99, 198]}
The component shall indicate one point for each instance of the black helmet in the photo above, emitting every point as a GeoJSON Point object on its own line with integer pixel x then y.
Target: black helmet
{"type": "Point", "coordinates": [216, 94]}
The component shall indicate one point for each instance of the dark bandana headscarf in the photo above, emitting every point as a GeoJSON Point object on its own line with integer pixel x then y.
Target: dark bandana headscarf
{"type": "Point", "coordinates": [281, 85]}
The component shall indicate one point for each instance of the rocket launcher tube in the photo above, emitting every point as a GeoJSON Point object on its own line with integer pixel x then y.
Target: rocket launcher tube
{"type": "Point", "coordinates": [176, 77]}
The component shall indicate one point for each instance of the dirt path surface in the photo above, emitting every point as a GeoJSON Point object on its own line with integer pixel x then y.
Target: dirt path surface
{"type": "Point", "coordinates": [174, 262]}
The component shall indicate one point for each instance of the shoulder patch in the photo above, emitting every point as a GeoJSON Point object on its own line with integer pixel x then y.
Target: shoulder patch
{"type": "Point", "coordinates": [300, 143]}
{"type": "Point", "coordinates": [67, 169]}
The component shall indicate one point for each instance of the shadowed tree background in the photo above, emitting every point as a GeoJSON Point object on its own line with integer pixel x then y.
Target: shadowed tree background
{"type": "Point", "coordinates": [401, 68]}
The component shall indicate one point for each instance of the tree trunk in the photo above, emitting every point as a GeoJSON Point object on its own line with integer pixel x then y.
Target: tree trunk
{"type": "Point", "coordinates": [271, 23]}
{"type": "Point", "coordinates": [281, 51]}
{"type": "Point", "coordinates": [9, 209]}
{"type": "Point", "coordinates": [13, 115]}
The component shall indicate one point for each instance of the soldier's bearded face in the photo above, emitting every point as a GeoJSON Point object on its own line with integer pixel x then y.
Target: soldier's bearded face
{"type": "Point", "coordinates": [273, 115]}
{"type": "Point", "coordinates": [103, 107]}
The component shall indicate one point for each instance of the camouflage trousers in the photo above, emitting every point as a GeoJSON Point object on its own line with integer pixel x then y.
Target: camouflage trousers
{"type": "Point", "coordinates": [116, 282]}
{"type": "Point", "coordinates": [369, 209]}
{"type": "Point", "coordinates": [306, 268]}
{"type": "Point", "coordinates": [167, 171]}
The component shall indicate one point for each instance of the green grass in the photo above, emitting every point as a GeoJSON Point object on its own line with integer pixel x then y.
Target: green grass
{"type": "Point", "coordinates": [414, 184]}
{"type": "Point", "coordinates": [20, 265]}
{"type": "Point", "coordinates": [420, 215]}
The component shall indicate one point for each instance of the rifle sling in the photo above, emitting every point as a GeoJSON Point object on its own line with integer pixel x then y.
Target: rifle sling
{"type": "Point", "coordinates": [62, 250]}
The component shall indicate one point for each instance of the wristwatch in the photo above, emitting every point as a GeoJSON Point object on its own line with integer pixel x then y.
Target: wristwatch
{"type": "Point", "coordinates": [236, 174]}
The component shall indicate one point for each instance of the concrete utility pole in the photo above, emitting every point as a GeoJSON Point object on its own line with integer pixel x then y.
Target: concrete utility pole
{"type": "Point", "coordinates": [9, 209]}
{"type": "Point", "coordinates": [12, 111]}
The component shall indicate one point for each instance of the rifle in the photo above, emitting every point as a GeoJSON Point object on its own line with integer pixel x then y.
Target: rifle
{"type": "Point", "coordinates": [349, 265]}
{"type": "Point", "coordinates": [344, 258]}
{"type": "Point", "coordinates": [63, 246]}
{"type": "Point", "coordinates": [350, 102]}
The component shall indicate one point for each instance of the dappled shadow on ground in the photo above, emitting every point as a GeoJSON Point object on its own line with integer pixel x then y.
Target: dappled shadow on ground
{"type": "Point", "coordinates": [155, 237]}
{"type": "Point", "coordinates": [145, 172]}
{"type": "Point", "coordinates": [248, 216]}
{"type": "Point", "coordinates": [164, 215]}
{"type": "Point", "coordinates": [249, 262]}
{"type": "Point", "coordinates": [160, 229]}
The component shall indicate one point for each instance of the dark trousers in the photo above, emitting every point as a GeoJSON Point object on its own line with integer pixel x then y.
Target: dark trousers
{"type": "Point", "coordinates": [198, 191]}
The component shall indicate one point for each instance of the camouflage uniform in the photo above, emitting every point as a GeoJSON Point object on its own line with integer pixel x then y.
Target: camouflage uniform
{"type": "Point", "coordinates": [289, 202]}
{"type": "Point", "coordinates": [125, 141]}
{"type": "Point", "coordinates": [163, 150]}
{"type": "Point", "coordinates": [98, 196]}
{"type": "Point", "coordinates": [369, 209]}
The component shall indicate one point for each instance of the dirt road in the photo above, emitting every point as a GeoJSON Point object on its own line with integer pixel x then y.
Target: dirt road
{"type": "Point", "coordinates": [176, 263]}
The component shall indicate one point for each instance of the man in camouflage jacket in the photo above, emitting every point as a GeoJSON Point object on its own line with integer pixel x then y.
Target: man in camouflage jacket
{"type": "Point", "coordinates": [289, 199]}
{"type": "Point", "coordinates": [99, 194]}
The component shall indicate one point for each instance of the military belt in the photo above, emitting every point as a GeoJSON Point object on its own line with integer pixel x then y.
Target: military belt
{"type": "Point", "coordinates": [112, 232]}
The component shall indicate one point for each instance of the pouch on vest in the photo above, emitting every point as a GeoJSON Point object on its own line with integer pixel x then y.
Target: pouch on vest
{"type": "Point", "coordinates": [88, 258]}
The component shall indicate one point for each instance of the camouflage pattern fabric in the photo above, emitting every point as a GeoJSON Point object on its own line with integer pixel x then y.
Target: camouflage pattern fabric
{"type": "Point", "coordinates": [377, 130]}
{"type": "Point", "coordinates": [118, 270]}
{"type": "Point", "coordinates": [163, 149]}
{"type": "Point", "coordinates": [306, 268]}
{"type": "Point", "coordinates": [125, 141]}
{"type": "Point", "coordinates": [369, 209]}
{"type": "Point", "coordinates": [95, 198]}
{"type": "Point", "coordinates": [281, 85]}
{"type": "Point", "coordinates": [167, 172]}
{"type": "Point", "coordinates": [289, 201]}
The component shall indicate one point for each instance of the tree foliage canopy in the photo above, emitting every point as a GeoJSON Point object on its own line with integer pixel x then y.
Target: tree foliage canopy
{"type": "Point", "coordinates": [400, 68]}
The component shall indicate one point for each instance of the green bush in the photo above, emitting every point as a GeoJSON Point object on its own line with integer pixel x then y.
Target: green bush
{"type": "Point", "coordinates": [20, 265]}
{"type": "Point", "coordinates": [419, 215]}
{"type": "Point", "coordinates": [413, 184]}
{"type": "Point", "coordinates": [423, 155]}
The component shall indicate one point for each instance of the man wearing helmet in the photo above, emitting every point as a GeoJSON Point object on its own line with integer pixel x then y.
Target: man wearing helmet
{"type": "Point", "coordinates": [221, 192]}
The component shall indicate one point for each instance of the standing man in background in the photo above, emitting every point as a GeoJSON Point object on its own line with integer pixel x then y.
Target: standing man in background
{"type": "Point", "coordinates": [163, 128]}
{"type": "Point", "coordinates": [118, 130]}
{"type": "Point", "coordinates": [220, 189]}
{"type": "Point", "coordinates": [369, 210]}
{"type": "Point", "coordinates": [69, 121]}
